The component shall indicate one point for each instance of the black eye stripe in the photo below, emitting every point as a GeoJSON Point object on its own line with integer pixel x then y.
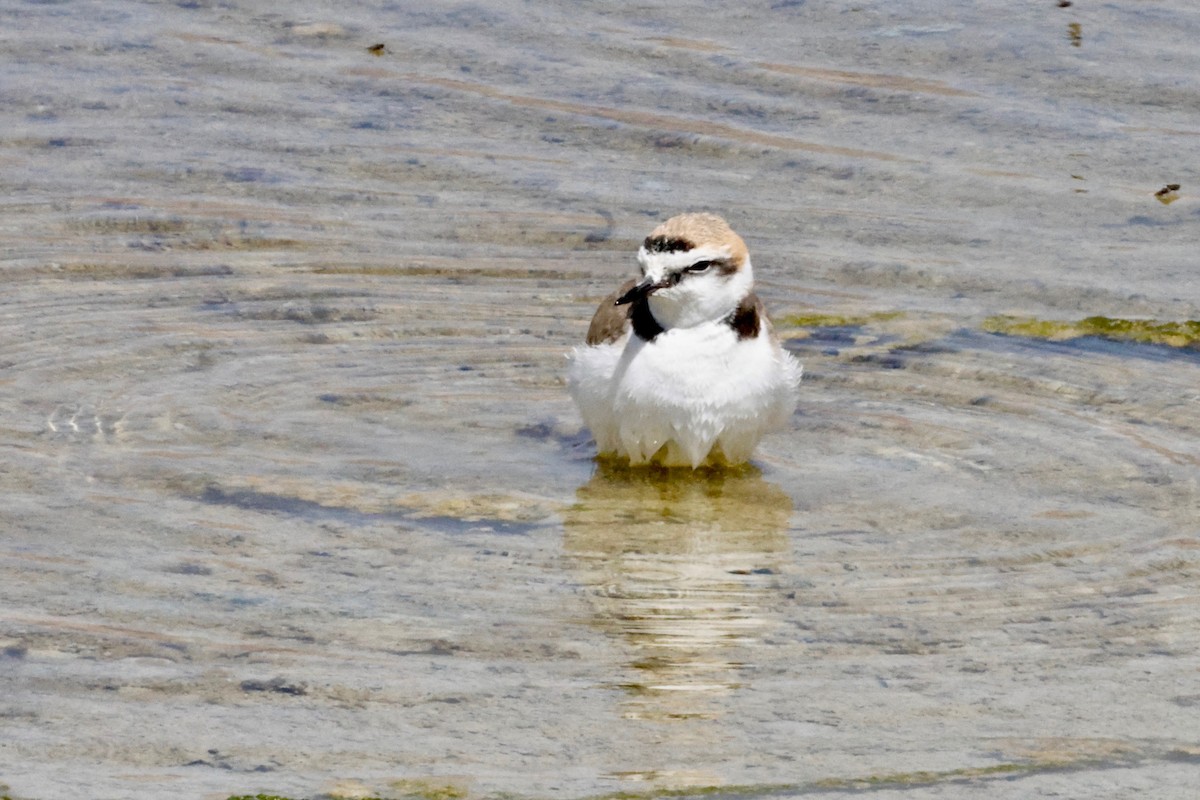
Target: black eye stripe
{"type": "Point", "coordinates": [724, 265]}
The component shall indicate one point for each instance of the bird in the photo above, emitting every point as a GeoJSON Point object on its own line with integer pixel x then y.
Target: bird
{"type": "Point", "coordinates": [681, 366]}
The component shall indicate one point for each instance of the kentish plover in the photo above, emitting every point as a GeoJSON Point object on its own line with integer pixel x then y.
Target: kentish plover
{"type": "Point", "coordinates": [681, 367]}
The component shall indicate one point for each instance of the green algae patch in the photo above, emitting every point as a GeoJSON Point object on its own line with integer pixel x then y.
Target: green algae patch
{"type": "Point", "coordinates": [1137, 331]}
{"type": "Point", "coordinates": [427, 790]}
{"type": "Point", "coordinates": [837, 320]}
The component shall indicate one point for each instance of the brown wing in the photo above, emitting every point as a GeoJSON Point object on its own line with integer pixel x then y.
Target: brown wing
{"type": "Point", "coordinates": [611, 321]}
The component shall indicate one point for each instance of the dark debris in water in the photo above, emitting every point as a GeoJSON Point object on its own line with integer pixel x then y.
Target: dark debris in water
{"type": "Point", "coordinates": [218, 760]}
{"type": "Point", "coordinates": [891, 360]}
{"type": "Point", "coordinates": [277, 685]}
{"type": "Point", "coordinates": [1168, 194]}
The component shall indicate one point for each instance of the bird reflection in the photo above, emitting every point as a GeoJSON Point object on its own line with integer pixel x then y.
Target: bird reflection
{"type": "Point", "coordinates": [682, 566]}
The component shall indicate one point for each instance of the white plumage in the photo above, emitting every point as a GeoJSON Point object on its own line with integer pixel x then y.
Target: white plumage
{"type": "Point", "coordinates": [681, 368]}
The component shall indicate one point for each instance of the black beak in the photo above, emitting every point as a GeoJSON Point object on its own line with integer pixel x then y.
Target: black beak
{"type": "Point", "coordinates": [639, 291]}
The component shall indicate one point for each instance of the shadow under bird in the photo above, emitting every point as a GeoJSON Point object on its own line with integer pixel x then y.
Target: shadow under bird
{"type": "Point", "coordinates": [681, 367]}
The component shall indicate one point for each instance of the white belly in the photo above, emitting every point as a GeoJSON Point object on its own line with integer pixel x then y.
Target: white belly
{"type": "Point", "coordinates": [691, 395]}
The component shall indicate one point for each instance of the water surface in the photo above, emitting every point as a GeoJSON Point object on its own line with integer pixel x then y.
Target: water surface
{"type": "Point", "coordinates": [295, 501]}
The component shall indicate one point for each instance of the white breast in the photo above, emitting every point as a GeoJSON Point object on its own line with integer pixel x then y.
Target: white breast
{"type": "Point", "coordinates": [688, 392]}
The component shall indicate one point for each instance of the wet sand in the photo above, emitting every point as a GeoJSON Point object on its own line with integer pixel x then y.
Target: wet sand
{"type": "Point", "coordinates": [295, 501]}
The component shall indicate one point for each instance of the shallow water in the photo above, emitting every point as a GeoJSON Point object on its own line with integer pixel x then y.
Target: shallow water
{"type": "Point", "coordinates": [295, 500]}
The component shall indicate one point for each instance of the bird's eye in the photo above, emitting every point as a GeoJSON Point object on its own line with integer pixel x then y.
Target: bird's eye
{"type": "Point", "coordinates": [700, 266]}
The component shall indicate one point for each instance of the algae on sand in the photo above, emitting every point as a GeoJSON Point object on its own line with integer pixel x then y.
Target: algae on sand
{"type": "Point", "coordinates": [1138, 331]}
{"type": "Point", "coordinates": [816, 320]}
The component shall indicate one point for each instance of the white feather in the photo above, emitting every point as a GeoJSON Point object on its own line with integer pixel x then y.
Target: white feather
{"type": "Point", "coordinates": [690, 389]}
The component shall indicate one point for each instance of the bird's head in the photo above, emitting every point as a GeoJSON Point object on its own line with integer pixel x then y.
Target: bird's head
{"type": "Point", "coordinates": [695, 269]}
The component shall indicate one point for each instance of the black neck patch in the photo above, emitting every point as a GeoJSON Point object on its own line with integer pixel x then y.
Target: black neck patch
{"type": "Point", "coordinates": [745, 318]}
{"type": "Point", "coordinates": [645, 326]}
{"type": "Point", "coordinates": [667, 244]}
